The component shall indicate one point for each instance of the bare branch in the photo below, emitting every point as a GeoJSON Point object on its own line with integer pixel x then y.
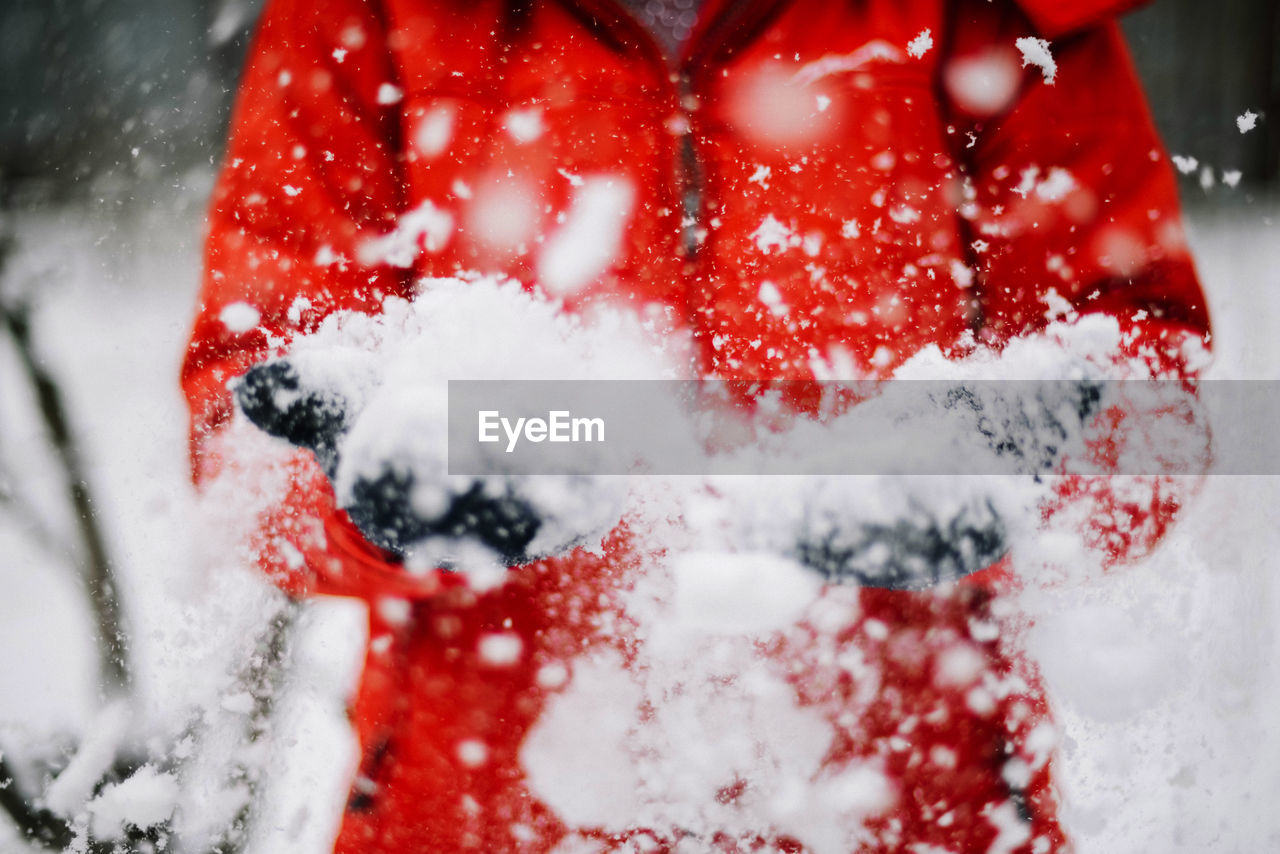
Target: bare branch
{"type": "Point", "coordinates": [30, 520]}
{"type": "Point", "coordinates": [39, 826]}
{"type": "Point", "coordinates": [263, 677]}
{"type": "Point", "coordinates": [99, 576]}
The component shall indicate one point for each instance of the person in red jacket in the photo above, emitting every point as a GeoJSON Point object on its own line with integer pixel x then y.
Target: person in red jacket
{"type": "Point", "coordinates": [895, 173]}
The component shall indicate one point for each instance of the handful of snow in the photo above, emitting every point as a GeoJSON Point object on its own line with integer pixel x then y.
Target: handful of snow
{"type": "Point", "coordinates": [369, 395]}
{"type": "Point", "coordinates": [1009, 421]}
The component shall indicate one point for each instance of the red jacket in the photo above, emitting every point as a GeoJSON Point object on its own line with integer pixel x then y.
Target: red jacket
{"type": "Point", "coordinates": [888, 197]}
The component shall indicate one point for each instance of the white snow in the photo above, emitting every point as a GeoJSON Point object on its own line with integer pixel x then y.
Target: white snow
{"type": "Point", "coordinates": [392, 370]}
{"type": "Point", "coordinates": [698, 612]}
{"type": "Point", "coordinates": [1207, 179]}
{"type": "Point", "coordinates": [240, 703]}
{"type": "Point", "coordinates": [524, 125]}
{"type": "Point", "coordinates": [718, 714]}
{"type": "Point", "coordinates": [1012, 832]}
{"type": "Point", "coordinates": [228, 21]}
{"type": "Point", "coordinates": [552, 675]}
{"type": "Point", "coordinates": [738, 593]}
{"type": "Point", "coordinates": [500, 649]}
{"type": "Point", "coordinates": [884, 161]}
{"type": "Point", "coordinates": [574, 180]}
{"type": "Point", "coordinates": [984, 83]}
{"type": "Point", "coordinates": [1163, 673]}
{"type": "Point", "coordinates": [874, 51]}
{"type": "Point", "coordinates": [239, 317]}
{"type": "Point", "coordinates": [587, 244]}
{"type": "Point", "coordinates": [773, 236]}
{"type": "Point", "coordinates": [921, 44]}
{"type": "Point", "coordinates": [959, 666]}
{"type": "Point", "coordinates": [389, 93]}
{"type": "Point", "coordinates": [72, 787]}
{"type": "Point", "coordinates": [427, 228]}
{"type": "Point", "coordinates": [473, 753]}
{"type": "Point", "coordinates": [777, 105]}
{"type": "Point", "coordinates": [770, 296]}
{"type": "Point", "coordinates": [146, 798]}
{"type": "Point", "coordinates": [1056, 186]}
{"type": "Point", "coordinates": [503, 213]}
{"type": "Point", "coordinates": [1036, 52]}
{"type": "Point", "coordinates": [1102, 663]}
{"type": "Point", "coordinates": [1247, 121]}
{"type": "Point", "coordinates": [577, 754]}
{"type": "Point", "coordinates": [433, 131]}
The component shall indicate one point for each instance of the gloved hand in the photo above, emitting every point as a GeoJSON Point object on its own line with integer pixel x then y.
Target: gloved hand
{"type": "Point", "coordinates": [368, 395]}
{"type": "Point", "coordinates": [275, 398]}
{"type": "Point", "coordinates": [911, 531]}
{"type": "Point", "coordinates": [1029, 423]}
{"type": "Point", "coordinates": [924, 547]}
{"type": "Point", "coordinates": [887, 531]}
{"type": "Point", "coordinates": [935, 537]}
{"type": "Point", "coordinates": [385, 512]}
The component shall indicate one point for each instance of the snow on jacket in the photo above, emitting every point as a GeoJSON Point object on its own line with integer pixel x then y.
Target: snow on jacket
{"type": "Point", "coordinates": [819, 187]}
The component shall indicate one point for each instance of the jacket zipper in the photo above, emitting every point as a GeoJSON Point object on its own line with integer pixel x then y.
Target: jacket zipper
{"type": "Point", "coordinates": [679, 71]}
{"type": "Point", "coordinates": [678, 83]}
{"type": "Point", "coordinates": [690, 178]}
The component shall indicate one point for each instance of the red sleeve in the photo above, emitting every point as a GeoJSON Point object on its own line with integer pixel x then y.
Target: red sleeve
{"type": "Point", "coordinates": [312, 168]}
{"type": "Point", "coordinates": [1071, 188]}
{"type": "Point", "coordinates": [1072, 203]}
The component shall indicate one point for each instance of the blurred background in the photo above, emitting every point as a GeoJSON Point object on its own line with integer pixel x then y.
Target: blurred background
{"type": "Point", "coordinates": [112, 118]}
{"type": "Point", "coordinates": [99, 96]}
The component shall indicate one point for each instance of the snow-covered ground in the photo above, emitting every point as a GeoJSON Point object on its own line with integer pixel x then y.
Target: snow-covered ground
{"type": "Point", "coordinates": [1165, 674]}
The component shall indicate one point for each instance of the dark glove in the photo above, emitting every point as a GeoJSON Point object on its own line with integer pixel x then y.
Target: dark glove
{"type": "Point", "coordinates": [912, 553]}
{"type": "Point", "coordinates": [383, 511]}
{"type": "Point", "coordinates": [276, 399]}
{"type": "Point", "coordinates": [273, 397]}
{"type": "Point", "coordinates": [1029, 422]}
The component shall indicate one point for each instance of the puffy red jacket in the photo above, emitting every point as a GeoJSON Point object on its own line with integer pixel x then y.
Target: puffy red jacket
{"type": "Point", "coordinates": [893, 200]}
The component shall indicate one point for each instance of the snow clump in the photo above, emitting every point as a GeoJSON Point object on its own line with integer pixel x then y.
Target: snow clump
{"type": "Point", "coordinates": [239, 317]}
{"type": "Point", "coordinates": [1036, 52]}
{"type": "Point", "coordinates": [147, 798]}
{"type": "Point", "coordinates": [388, 373]}
{"type": "Point", "coordinates": [920, 45]}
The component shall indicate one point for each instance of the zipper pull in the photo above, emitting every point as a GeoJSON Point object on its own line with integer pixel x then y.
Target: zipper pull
{"type": "Point", "coordinates": [690, 174]}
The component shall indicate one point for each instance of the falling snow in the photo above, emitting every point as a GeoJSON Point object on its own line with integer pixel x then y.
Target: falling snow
{"type": "Point", "coordinates": [1036, 52]}
{"type": "Point", "coordinates": [921, 44]}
